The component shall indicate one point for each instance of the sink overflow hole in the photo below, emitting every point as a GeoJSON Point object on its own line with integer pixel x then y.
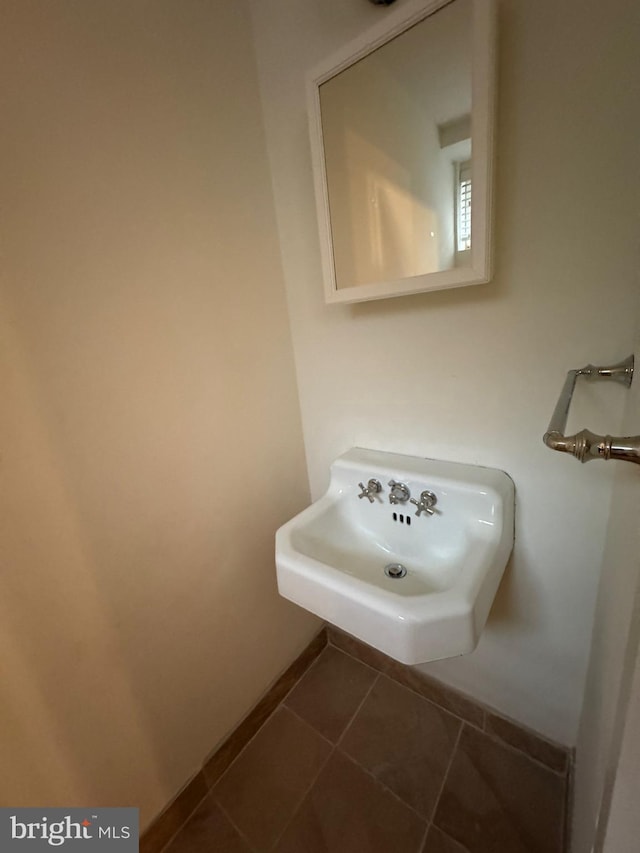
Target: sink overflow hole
{"type": "Point", "coordinates": [403, 519]}
{"type": "Point", "coordinates": [395, 570]}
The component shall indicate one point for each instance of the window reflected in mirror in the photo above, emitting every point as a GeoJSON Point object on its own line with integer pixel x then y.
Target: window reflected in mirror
{"type": "Point", "coordinates": [396, 131]}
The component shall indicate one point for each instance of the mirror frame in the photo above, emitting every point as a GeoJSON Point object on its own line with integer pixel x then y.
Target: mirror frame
{"type": "Point", "coordinates": [483, 96]}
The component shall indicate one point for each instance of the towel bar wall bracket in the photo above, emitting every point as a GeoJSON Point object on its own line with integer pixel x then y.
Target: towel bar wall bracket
{"type": "Point", "coordinates": [586, 445]}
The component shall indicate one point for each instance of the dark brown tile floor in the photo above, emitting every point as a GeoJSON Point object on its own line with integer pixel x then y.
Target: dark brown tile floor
{"type": "Point", "coordinates": [352, 761]}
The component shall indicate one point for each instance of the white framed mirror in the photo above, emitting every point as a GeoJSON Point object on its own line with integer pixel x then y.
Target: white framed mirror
{"type": "Point", "coordinates": [401, 124]}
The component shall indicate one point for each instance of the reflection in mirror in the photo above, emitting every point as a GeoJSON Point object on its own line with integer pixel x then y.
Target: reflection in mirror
{"type": "Point", "coordinates": [401, 137]}
{"type": "Point", "coordinates": [397, 145]}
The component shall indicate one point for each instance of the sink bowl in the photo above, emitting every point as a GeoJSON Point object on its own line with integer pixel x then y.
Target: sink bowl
{"type": "Point", "coordinates": [442, 569]}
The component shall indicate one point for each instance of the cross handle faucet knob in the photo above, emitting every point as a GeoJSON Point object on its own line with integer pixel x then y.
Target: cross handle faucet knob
{"type": "Point", "coordinates": [370, 490]}
{"type": "Point", "coordinates": [425, 503]}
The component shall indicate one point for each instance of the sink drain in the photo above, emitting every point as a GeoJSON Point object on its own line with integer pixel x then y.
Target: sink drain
{"type": "Point", "coordinates": [395, 570]}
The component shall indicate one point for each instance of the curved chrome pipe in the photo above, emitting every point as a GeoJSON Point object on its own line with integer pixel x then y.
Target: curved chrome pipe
{"type": "Point", "coordinates": [586, 445]}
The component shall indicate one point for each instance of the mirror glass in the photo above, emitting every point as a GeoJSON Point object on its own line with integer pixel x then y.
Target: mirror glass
{"type": "Point", "coordinates": [396, 130]}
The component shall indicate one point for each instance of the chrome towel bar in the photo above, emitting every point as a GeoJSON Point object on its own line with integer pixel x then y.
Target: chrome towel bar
{"type": "Point", "coordinates": [586, 445]}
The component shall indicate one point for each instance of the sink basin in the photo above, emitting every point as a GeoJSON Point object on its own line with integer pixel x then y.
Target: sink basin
{"type": "Point", "coordinates": [443, 569]}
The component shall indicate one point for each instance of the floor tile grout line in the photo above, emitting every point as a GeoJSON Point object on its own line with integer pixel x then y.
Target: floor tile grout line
{"type": "Point", "coordinates": [242, 751]}
{"type": "Point", "coordinates": [371, 775]}
{"type": "Point", "coordinates": [565, 750]}
{"type": "Point", "coordinates": [308, 724]}
{"type": "Point", "coordinates": [378, 673]}
{"type": "Point", "coordinates": [343, 752]}
{"type": "Point", "coordinates": [446, 774]}
{"type": "Point", "coordinates": [284, 704]}
{"type": "Point", "coordinates": [280, 707]}
{"type": "Point", "coordinates": [382, 785]}
{"type": "Point", "coordinates": [357, 710]}
{"type": "Point", "coordinates": [303, 799]}
{"type": "Point", "coordinates": [210, 787]}
{"type": "Point", "coordinates": [357, 660]}
{"type": "Point", "coordinates": [480, 728]}
{"type": "Point", "coordinates": [423, 843]}
{"type": "Point", "coordinates": [186, 820]}
{"type": "Point", "coordinates": [427, 699]}
{"type": "Point", "coordinates": [234, 825]}
{"type": "Point", "coordinates": [496, 739]}
{"type": "Point", "coordinates": [366, 769]}
{"type": "Point", "coordinates": [429, 822]}
{"type": "Point", "coordinates": [484, 709]}
{"type": "Point", "coordinates": [307, 670]}
{"type": "Point", "coordinates": [336, 748]}
{"type": "Point", "coordinates": [412, 689]}
{"type": "Point", "coordinates": [431, 825]}
{"type": "Point", "coordinates": [460, 847]}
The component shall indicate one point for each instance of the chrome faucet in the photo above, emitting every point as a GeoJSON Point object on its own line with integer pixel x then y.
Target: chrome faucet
{"type": "Point", "coordinates": [425, 503]}
{"type": "Point", "coordinates": [370, 490]}
{"type": "Point", "coordinates": [399, 493]}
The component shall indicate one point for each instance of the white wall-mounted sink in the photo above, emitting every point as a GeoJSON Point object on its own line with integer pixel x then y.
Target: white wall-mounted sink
{"type": "Point", "coordinates": [331, 558]}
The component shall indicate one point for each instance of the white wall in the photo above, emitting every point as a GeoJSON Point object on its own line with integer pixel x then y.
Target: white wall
{"type": "Point", "coordinates": [149, 425]}
{"type": "Point", "coordinates": [614, 649]}
{"type": "Point", "coordinates": [473, 374]}
{"type": "Point", "coordinates": [623, 828]}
